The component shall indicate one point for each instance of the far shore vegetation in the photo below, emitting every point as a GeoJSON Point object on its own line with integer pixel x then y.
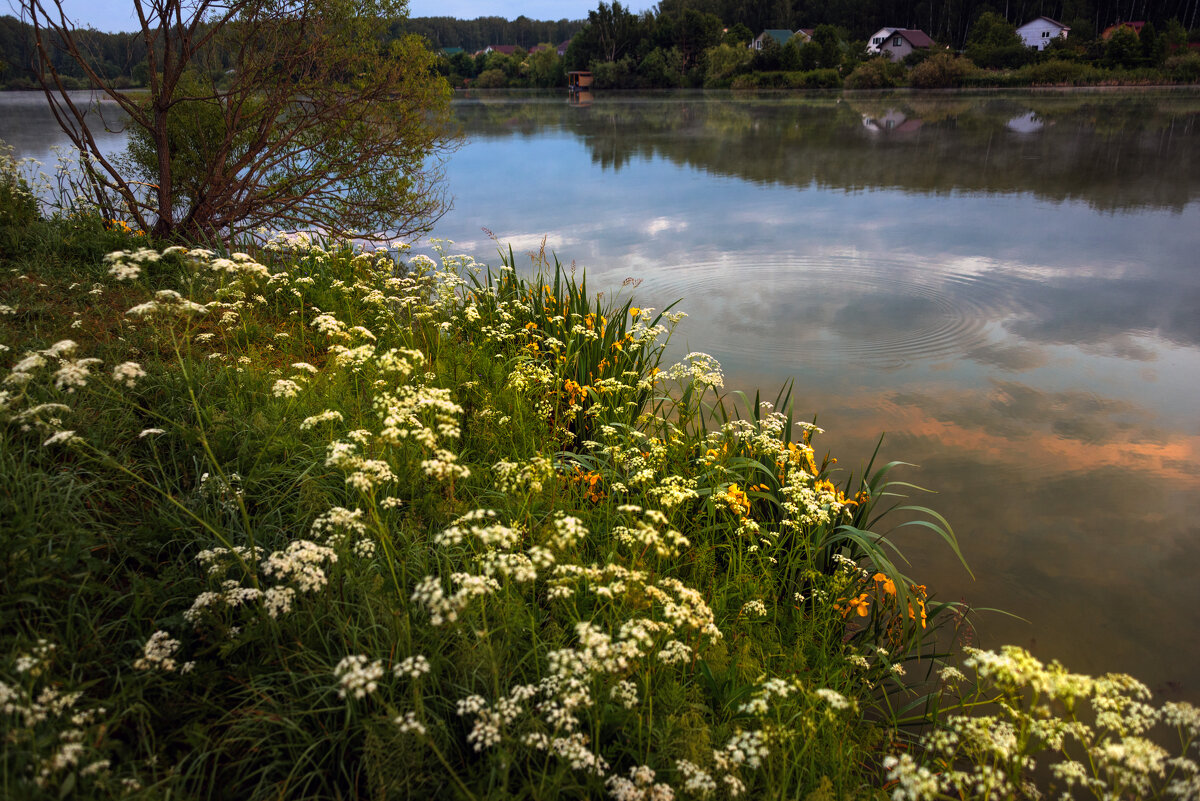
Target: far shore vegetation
{"type": "Point", "coordinates": [299, 514]}
{"type": "Point", "coordinates": [699, 44]}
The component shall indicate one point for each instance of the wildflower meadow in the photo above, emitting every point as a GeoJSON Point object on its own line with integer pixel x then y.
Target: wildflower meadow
{"type": "Point", "coordinates": [295, 518]}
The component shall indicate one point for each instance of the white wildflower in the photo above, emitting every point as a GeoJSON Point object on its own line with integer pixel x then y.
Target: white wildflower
{"type": "Point", "coordinates": [73, 373]}
{"type": "Point", "coordinates": [414, 667]}
{"type": "Point", "coordinates": [285, 388]}
{"type": "Point", "coordinates": [755, 608]}
{"type": "Point", "coordinates": [357, 676]}
{"type": "Point", "coordinates": [61, 438]}
{"type": "Point", "coordinates": [128, 373]}
{"type": "Point", "coordinates": [832, 697]}
{"type": "Point", "coordinates": [158, 653]}
{"type": "Point", "coordinates": [408, 724]}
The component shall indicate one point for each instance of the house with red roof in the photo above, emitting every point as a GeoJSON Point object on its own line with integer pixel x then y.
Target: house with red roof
{"type": "Point", "coordinates": [896, 43]}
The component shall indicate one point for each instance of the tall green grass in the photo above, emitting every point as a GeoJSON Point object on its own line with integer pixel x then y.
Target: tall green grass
{"type": "Point", "coordinates": [314, 522]}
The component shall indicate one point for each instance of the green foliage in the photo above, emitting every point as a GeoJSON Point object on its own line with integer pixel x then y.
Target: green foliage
{"type": "Point", "coordinates": [800, 55]}
{"type": "Point", "coordinates": [993, 43]}
{"type": "Point", "coordinates": [491, 79]}
{"type": "Point", "coordinates": [876, 73]}
{"type": "Point", "coordinates": [992, 30]}
{"type": "Point", "coordinates": [663, 68]}
{"type": "Point", "coordinates": [264, 118]}
{"type": "Point", "coordinates": [695, 33]}
{"type": "Point", "coordinates": [18, 206]}
{"type": "Point", "coordinates": [1123, 48]}
{"type": "Point", "coordinates": [825, 50]}
{"type": "Point", "coordinates": [811, 79]}
{"type": "Point", "coordinates": [612, 32]}
{"type": "Point", "coordinates": [476, 34]}
{"type": "Point", "coordinates": [1154, 47]}
{"type": "Point", "coordinates": [941, 70]}
{"type": "Point", "coordinates": [1057, 72]}
{"type": "Point", "coordinates": [322, 522]}
{"type": "Point", "coordinates": [196, 139]}
{"type": "Point", "coordinates": [724, 62]}
{"type": "Point", "coordinates": [1175, 35]}
{"type": "Point", "coordinates": [1184, 67]}
{"type": "Point", "coordinates": [769, 58]}
{"type": "Point", "coordinates": [1022, 721]}
{"type": "Point", "coordinates": [738, 34]}
{"type": "Point", "coordinates": [831, 44]}
{"type": "Point", "coordinates": [544, 69]}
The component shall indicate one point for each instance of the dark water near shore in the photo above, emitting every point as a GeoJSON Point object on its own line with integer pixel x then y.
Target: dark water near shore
{"type": "Point", "coordinates": [1008, 285]}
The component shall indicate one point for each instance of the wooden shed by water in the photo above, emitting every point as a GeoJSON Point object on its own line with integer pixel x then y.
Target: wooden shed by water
{"type": "Point", "coordinates": [578, 81]}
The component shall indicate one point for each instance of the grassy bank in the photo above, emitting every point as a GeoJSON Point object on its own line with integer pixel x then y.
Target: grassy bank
{"type": "Point", "coordinates": [316, 522]}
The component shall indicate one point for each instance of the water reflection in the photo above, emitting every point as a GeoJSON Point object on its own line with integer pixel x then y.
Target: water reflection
{"type": "Point", "coordinates": [1111, 150]}
{"type": "Point", "coordinates": [28, 126]}
{"type": "Point", "coordinates": [1005, 284]}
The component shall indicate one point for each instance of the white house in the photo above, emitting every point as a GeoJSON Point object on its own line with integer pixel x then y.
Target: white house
{"type": "Point", "coordinates": [897, 42]}
{"type": "Point", "coordinates": [877, 39]}
{"type": "Point", "coordinates": [1041, 32]}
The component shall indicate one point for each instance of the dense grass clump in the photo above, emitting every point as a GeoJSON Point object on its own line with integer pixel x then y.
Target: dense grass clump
{"type": "Point", "coordinates": [319, 522]}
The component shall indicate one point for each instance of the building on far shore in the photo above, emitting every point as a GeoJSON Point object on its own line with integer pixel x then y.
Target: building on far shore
{"type": "Point", "coordinates": [1041, 32]}
{"type": "Point", "coordinates": [896, 43]}
{"type": "Point", "coordinates": [780, 35]}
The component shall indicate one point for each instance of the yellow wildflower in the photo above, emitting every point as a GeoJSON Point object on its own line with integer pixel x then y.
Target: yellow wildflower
{"type": "Point", "coordinates": [737, 500]}
{"type": "Point", "coordinates": [860, 606]}
{"type": "Point", "coordinates": [888, 585]}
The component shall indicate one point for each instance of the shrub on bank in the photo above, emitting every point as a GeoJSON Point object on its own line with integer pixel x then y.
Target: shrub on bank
{"type": "Point", "coordinates": [1057, 72]}
{"type": "Point", "coordinates": [811, 79]}
{"type": "Point", "coordinates": [1184, 67]}
{"type": "Point", "coordinates": [941, 71]}
{"type": "Point", "coordinates": [876, 73]}
{"type": "Point", "coordinates": [18, 206]}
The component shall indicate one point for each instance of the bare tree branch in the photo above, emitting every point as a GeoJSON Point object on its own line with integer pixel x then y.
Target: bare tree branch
{"type": "Point", "coordinates": [261, 112]}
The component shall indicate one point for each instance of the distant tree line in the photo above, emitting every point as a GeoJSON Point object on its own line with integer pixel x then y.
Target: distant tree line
{"type": "Point", "coordinates": [116, 55]}
{"type": "Point", "coordinates": [474, 35]}
{"type": "Point", "coordinates": [947, 21]}
{"type": "Point", "coordinates": [693, 43]}
{"type": "Point", "coordinates": [122, 56]}
{"type": "Point", "coordinates": [704, 43]}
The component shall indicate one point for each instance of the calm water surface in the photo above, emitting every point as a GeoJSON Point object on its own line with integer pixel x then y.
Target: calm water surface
{"type": "Point", "coordinates": [1006, 285]}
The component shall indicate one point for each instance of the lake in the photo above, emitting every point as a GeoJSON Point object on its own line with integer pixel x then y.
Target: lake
{"type": "Point", "coordinates": [1005, 285]}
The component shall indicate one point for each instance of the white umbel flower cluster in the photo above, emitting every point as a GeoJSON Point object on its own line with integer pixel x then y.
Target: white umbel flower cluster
{"type": "Point", "coordinates": [357, 676]}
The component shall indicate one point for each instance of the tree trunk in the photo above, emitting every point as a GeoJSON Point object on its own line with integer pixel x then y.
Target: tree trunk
{"type": "Point", "coordinates": [166, 214]}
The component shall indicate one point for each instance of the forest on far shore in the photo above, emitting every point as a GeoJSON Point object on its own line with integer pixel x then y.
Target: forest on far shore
{"type": "Point", "coordinates": [703, 43]}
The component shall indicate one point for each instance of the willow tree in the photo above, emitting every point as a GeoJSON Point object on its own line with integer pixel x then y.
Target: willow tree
{"type": "Point", "coordinates": [276, 113]}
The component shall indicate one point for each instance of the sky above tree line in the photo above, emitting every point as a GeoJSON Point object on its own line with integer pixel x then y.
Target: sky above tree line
{"type": "Point", "coordinates": [114, 16]}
